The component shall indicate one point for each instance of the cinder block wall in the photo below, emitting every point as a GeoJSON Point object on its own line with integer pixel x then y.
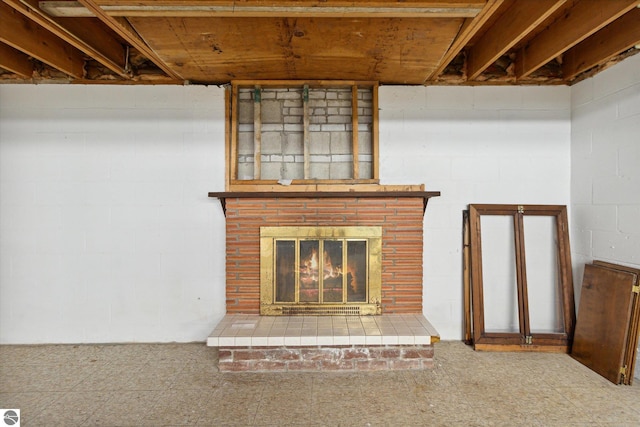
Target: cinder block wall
{"type": "Point", "coordinates": [475, 145]}
{"type": "Point", "coordinates": [106, 230]}
{"type": "Point", "coordinates": [282, 133]}
{"type": "Point", "coordinates": [106, 233]}
{"type": "Point", "coordinates": [605, 160]}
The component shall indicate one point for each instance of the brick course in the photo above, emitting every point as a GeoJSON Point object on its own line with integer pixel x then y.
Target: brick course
{"type": "Point", "coordinates": [336, 358]}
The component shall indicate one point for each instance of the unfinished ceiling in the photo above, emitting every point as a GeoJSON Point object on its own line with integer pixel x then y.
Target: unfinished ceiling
{"type": "Point", "coordinates": [417, 42]}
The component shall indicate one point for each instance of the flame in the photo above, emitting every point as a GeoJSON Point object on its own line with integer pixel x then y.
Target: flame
{"type": "Point", "coordinates": [310, 268]}
{"type": "Point", "coordinates": [309, 271]}
{"type": "Point", "coordinates": [330, 271]}
{"type": "Point", "coordinates": [352, 269]}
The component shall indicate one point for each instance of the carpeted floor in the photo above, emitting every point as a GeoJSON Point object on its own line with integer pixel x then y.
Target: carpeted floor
{"type": "Point", "coordinates": [178, 384]}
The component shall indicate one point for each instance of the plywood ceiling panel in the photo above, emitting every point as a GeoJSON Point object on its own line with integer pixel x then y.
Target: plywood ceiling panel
{"type": "Point", "coordinates": [215, 50]}
{"type": "Point", "coordinates": [422, 42]}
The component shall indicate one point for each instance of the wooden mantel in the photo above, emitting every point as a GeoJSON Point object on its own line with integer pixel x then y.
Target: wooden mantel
{"type": "Point", "coordinates": [222, 196]}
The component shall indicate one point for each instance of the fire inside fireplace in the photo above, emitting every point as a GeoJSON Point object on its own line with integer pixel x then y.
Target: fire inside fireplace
{"type": "Point", "coordinates": [320, 270]}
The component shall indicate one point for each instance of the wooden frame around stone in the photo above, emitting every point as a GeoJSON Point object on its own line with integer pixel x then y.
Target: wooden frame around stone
{"type": "Point", "coordinates": [231, 151]}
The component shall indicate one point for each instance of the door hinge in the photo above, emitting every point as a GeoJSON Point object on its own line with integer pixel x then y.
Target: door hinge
{"type": "Point", "coordinates": [528, 340]}
{"type": "Point", "coordinates": [636, 289]}
{"type": "Point", "coordinates": [520, 209]}
{"type": "Point", "coordinates": [623, 371]}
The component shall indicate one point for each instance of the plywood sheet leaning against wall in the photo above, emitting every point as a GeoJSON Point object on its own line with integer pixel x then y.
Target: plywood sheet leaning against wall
{"type": "Point", "coordinates": [606, 334]}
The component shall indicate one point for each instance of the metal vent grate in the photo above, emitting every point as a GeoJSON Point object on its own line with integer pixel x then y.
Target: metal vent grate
{"type": "Point", "coordinates": [322, 311]}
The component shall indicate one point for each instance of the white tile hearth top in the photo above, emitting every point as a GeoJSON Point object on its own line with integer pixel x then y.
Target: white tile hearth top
{"type": "Point", "coordinates": [252, 330]}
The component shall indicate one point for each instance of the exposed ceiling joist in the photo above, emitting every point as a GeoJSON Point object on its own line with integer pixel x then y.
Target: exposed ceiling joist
{"type": "Point", "coordinates": [276, 8]}
{"type": "Point", "coordinates": [515, 24]}
{"type": "Point", "coordinates": [615, 38]}
{"type": "Point", "coordinates": [15, 61]}
{"type": "Point", "coordinates": [25, 35]}
{"type": "Point", "coordinates": [124, 30]}
{"type": "Point", "coordinates": [86, 36]}
{"type": "Point", "coordinates": [580, 22]}
{"type": "Point", "coordinates": [468, 29]}
{"type": "Point", "coordinates": [415, 42]}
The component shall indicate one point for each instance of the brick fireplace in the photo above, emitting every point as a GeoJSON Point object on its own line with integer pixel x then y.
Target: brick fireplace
{"type": "Point", "coordinates": [399, 338]}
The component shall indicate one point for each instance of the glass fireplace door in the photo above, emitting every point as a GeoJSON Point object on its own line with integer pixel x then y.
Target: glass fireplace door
{"type": "Point", "coordinates": [329, 268]}
{"type": "Point", "coordinates": [328, 271]}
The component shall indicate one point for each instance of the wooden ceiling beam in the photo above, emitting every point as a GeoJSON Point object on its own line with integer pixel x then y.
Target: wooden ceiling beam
{"type": "Point", "coordinates": [124, 30]}
{"type": "Point", "coordinates": [467, 30]}
{"type": "Point", "coordinates": [613, 39]}
{"type": "Point", "coordinates": [87, 37]}
{"type": "Point", "coordinates": [25, 35]}
{"type": "Point", "coordinates": [15, 61]}
{"type": "Point", "coordinates": [581, 21]}
{"type": "Point", "coordinates": [515, 24]}
{"type": "Point", "coordinates": [275, 8]}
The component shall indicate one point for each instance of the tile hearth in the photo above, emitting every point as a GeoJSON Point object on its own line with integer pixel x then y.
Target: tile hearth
{"type": "Point", "coordinates": [247, 330]}
{"type": "Point", "coordinates": [253, 343]}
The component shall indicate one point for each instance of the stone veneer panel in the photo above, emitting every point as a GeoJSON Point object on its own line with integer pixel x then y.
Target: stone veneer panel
{"type": "Point", "coordinates": [402, 238]}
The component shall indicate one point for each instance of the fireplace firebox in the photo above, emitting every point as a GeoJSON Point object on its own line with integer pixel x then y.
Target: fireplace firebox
{"type": "Point", "coordinates": [320, 270]}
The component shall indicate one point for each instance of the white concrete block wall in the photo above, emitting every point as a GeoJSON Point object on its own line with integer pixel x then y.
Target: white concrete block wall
{"type": "Point", "coordinates": [605, 161]}
{"type": "Point", "coordinates": [475, 145]}
{"type": "Point", "coordinates": [106, 233]}
{"type": "Point", "coordinates": [605, 179]}
{"type": "Point", "coordinates": [106, 230]}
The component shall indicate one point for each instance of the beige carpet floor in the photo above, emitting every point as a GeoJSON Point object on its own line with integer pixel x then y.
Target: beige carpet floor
{"type": "Point", "coordinates": [178, 384]}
